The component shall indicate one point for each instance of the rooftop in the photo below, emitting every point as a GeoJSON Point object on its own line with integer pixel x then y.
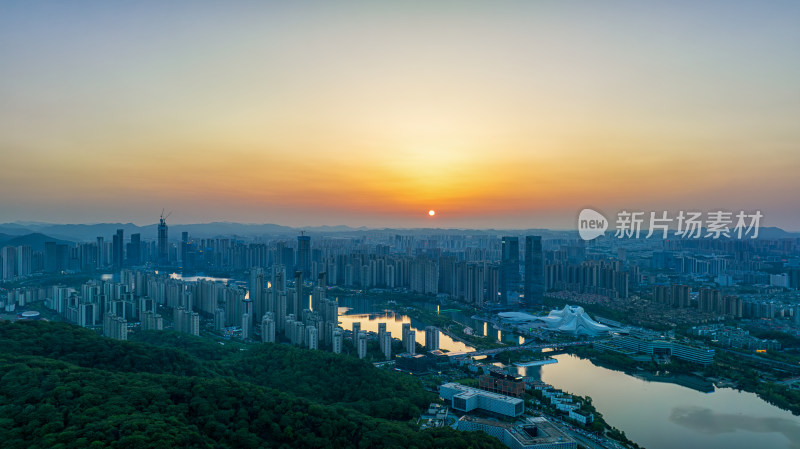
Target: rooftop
{"type": "Point", "coordinates": [469, 392]}
{"type": "Point", "coordinates": [544, 433]}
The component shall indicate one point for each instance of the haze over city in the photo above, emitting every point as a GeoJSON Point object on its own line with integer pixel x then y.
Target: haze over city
{"type": "Point", "coordinates": [495, 115]}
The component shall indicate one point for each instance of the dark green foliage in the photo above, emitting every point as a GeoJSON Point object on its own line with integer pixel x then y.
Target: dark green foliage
{"type": "Point", "coordinates": [332, 378]}
{"type": "Point", "coordinates": [786, 340]}
{"type": "Point", "coordinates": [141, 395]}
{"type": "Point", "coordinates": [83, 347]}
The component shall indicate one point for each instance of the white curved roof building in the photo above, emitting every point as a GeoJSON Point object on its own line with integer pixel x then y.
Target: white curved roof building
{"type": "Point", "coordinates": [570, 319]}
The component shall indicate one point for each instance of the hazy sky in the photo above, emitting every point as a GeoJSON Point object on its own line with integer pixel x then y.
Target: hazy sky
{"type": "Point", "coordinates": [495, 114]}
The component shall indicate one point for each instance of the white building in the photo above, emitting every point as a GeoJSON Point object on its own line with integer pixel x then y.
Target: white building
{"type": "Point", "coordinates": [703, 356]}
{"type": "Point", "coordinates": [582, 417]}
{"type": "Point", "coordinates": [779, 280]}
{"type": "Point", "coordinates": [571, 319]}
{"type": "Point", "coordinates": [466, 399]}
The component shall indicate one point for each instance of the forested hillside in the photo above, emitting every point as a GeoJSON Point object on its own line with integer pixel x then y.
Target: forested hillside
{"type": "Point", "coordinates": [63, 386]}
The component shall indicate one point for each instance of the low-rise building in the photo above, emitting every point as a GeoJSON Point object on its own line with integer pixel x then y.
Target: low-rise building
{"type": "Point", "coordinates": [627, 345]}
{"type": "Point", "coordinates": [537, 434]}
{"type": "Point", "coordinates": [502, 383]}
{"type": "Point", "coordinates": [582, 417]}
{"type": "Point", "coordinates": [415, 363]}
{"type": "Point", "coordinates": [566, 406]}
{"type": "Point", "coordinates": [466, 399]}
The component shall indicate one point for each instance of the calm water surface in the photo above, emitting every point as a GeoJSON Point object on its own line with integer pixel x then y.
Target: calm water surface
{"type": "Point", "coordinates": [365, 312]}
{"type": "Point", "coordinates": [665, 416]}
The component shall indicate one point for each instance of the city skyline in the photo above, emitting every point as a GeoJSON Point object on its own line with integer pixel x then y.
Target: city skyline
{"type": "Point", "coordinates": [510, 115]}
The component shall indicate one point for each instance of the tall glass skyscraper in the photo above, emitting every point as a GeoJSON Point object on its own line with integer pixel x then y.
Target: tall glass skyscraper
{"type": "Point", "coordinates": [534, 271]}
{"type": "Point", "coordinates": [304, 255]}
{"type": "Point", "coordinates": [163, 245]}
{"type": "Point", "coordinates": [509, 268]}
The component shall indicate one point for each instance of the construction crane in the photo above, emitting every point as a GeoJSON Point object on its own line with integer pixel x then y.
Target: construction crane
{"type": "Point", "coordinates": [163, 218]}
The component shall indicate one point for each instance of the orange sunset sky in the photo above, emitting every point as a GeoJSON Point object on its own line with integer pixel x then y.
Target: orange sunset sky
{"type": "Point", "coordinates": [503, 114]}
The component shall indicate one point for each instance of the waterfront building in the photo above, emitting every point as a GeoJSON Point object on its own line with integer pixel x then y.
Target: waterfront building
{"type": "Point", "coordinates": [466, 399]}
{"type": "Point", "coordinates": [431, 338]}
{"type": "Point", "coordinates": [538, 433]}
{"type": "Point", "coordinates": [501, 383]}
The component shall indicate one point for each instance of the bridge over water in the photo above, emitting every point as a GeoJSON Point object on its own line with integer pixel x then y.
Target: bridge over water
{"type": "Point", "coordinates": [529, 346]}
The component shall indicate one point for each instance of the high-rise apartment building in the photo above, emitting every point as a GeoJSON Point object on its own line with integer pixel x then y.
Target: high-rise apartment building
{"type": "Point", "coordinates": [361, 344]}
{"type": "Point", "coordinates": [431, 338]}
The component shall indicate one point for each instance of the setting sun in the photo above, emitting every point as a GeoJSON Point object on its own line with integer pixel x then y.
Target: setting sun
{"type": "Point", "coordinates": [431, 212]}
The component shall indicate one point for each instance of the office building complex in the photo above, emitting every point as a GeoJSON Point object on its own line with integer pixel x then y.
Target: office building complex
{"type": "Point", "coordinates": [702, 356]}
{"type": "Point", "coordinates": [497, 382]}
{"type": "Point", "coordinates": [466, 399]}
{"type": "Point", "coordinates": [539, 434]}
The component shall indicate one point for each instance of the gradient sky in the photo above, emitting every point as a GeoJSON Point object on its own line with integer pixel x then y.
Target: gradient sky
{"type": "Point", "coordinates": [496, 114]}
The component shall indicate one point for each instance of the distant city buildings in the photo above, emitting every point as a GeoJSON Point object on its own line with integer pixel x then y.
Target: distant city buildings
{"type": "Point", "coordinates": [279, 285]}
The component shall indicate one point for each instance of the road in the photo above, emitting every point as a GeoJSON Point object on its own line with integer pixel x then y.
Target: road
{"type": "Point", "coordinates": [583, 437]}
{"type": "Point", "coordinates": [529, 346]}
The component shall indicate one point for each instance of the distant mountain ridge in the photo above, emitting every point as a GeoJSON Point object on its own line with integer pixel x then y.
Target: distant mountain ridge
{"type": "Point", "coordinates": [89, 232]}
{"type": "Point", "coordinates": [35, 240]}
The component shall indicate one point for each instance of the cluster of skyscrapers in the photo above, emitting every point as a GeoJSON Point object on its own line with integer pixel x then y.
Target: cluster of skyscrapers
{"type": "Point", "coordinates": [476, 272]}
